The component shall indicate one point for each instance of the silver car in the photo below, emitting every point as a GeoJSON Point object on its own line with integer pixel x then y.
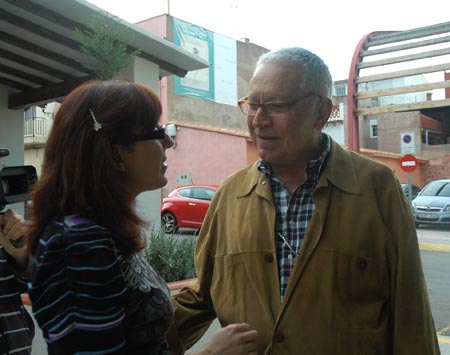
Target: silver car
{"type": "Point", "coordinates": [432, 205]}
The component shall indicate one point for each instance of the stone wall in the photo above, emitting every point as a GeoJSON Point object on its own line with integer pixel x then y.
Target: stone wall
{"type": "Point", "coordinates": [437, 168]}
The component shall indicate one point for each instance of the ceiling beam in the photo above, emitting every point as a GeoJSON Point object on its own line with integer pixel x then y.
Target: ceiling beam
{"type": "Point", "coordinates": [39, 30]}
{"type": "Point", "coordinates": [35, 65]}
{"type": "Point", "coordinates": [39, 50]}
{"type": "Point", "coordinates": [52, 92]}
{"type": "Point", "coordinates": [13, 84]}
{"type": "Point", "coordinates": [25, 76]}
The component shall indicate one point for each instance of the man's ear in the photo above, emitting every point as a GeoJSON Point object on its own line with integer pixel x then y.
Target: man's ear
{"type": "Point", "coordinates": [118, 158]}
{"type": "Point", "coordinates": [325, 108]}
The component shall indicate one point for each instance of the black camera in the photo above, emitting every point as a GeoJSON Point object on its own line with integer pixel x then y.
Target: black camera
{"type": "Point", "coordinates": [16, 182]}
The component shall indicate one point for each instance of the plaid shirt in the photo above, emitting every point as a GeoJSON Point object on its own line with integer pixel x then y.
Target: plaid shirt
{"type": "Point", "coordinates": [294, 211]}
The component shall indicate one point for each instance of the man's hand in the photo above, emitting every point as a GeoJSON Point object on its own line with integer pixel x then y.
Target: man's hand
{"type": "Point", "coordinates": [12, 237]}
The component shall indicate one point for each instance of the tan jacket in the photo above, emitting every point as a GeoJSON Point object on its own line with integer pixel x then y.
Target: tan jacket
{"type": "Point", "coordinates": [357, 287]}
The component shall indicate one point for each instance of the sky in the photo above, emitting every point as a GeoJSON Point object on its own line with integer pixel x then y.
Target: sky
{"type": "Point", "coordinates": [330, 28]}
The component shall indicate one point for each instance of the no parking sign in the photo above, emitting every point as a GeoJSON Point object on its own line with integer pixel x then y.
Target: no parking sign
{"type": "Point", "coordinates": [407, 144]}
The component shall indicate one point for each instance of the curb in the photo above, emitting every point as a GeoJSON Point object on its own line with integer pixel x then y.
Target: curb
{"type": "Point", "coordinates": [434, 247]}
{"type": "Point", "coordinates": [443, 339]}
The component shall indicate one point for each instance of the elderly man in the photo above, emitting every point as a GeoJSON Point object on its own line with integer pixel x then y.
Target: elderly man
{"type": "Point", "coordinates": [313, 245]}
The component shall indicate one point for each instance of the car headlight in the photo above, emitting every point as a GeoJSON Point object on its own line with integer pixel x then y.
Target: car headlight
{"type": "Point", "coordinates": [447, 208]}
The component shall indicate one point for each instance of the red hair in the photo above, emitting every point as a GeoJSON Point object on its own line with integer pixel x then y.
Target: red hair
{"type": "Point", "coordinates": [78, 174]}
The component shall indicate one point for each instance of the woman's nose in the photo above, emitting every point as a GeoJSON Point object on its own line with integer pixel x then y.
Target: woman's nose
{"type": "Point", "coordinates": [167, 142]}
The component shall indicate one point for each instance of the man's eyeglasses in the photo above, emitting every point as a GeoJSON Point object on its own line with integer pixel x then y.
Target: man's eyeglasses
{"type": "Point", "coordinates": [270, 108]}
{"type": "Point", "coordinates": [158, 133]}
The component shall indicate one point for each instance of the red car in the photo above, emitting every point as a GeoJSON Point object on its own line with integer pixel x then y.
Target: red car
{"type": "Point", "coordinates": [186, 206]}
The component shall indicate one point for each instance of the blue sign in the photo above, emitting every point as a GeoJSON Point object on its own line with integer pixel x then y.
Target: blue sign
{"type": "Point", "coordinates": [407, 138]}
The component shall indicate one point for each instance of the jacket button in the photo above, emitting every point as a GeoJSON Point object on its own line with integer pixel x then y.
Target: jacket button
{"type": "Point", "coordinates": [268, 258]}
{"type": "Point", "coordinates": [362, 264]}
{"type": "Point", "coordinates": [279, 337]}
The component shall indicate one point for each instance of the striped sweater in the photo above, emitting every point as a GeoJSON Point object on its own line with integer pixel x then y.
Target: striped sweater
{"type": "Point", "coordinates": [88, 299]}
{"type": "Point", "coordinates": [16, 325]}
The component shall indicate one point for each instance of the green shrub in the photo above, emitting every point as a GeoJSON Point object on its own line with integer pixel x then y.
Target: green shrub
{"type": "Point", "coordinates": [172, 256]}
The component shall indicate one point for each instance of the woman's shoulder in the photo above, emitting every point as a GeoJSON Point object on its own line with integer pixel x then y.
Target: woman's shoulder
{"type": "Point", "coordinates": [73, 230]}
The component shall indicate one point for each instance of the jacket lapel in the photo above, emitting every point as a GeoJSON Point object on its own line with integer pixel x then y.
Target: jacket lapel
{"type": "Point", "coordinates": [340, 173]}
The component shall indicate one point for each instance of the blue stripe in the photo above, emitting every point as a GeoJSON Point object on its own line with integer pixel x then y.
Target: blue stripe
{"type": "Point", "coordinates": [46, 282]}
{"type": "Point", "coordinates": [79, 243]}
{"type": "Point", "coordinates": [83, 295]}
{"type": "Point", "coordinates": [82, 316]}
{"type": "Point", "coordinates": [96, 226]}
{"type": "Point", "coordinates": [55, 262]}
{"type": "Point", "coordinates": [98, 283]}
{"type": "Point", "coordinates": [101, 352]}
{"type": "Point", "coordinates": [86, 311]}
{"type": "Point", "coordinates": [93, 268]}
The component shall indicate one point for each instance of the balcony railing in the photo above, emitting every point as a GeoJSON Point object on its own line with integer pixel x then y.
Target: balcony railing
{"type": "Point", "coordinates": [34, 127]}
{"type": "Point", "coordinates": [36, 131]}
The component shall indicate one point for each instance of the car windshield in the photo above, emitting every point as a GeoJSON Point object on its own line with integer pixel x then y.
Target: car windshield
{"type": "Point", "coordinates": [437, 188]}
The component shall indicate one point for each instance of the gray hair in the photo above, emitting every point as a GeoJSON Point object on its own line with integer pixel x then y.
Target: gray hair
{"type": "Point", "coordinates": [317, 75]}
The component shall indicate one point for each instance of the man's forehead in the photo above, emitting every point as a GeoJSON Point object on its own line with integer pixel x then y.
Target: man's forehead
{"type": "Point", "coordinates": [275, 79]}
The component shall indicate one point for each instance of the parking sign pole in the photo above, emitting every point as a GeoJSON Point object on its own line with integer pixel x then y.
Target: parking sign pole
{"type": "Point", "coordinates": [409, 188]}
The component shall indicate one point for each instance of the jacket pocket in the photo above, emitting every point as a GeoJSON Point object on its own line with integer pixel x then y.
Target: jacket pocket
{"type": "Point", "coordinates": [228, 289]}
{"type": "Point", "coordinates": [358, 290]}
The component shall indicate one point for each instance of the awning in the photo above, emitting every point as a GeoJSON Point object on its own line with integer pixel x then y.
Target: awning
{"type": "Point", "coordinates": [40, 56]}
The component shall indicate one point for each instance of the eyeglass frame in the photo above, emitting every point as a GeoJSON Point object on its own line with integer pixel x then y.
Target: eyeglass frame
{"type": "Point", "coordinates": [287, 105]}
{"type": "Point", "coordinates": [158, 133]}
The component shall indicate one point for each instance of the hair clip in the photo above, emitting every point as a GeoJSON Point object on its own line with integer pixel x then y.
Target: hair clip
{"type": "Point", "coordinates": [97, 125]}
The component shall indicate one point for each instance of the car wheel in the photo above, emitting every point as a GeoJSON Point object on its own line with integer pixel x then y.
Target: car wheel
{"type": "Point", "coordinates": [169, 222]}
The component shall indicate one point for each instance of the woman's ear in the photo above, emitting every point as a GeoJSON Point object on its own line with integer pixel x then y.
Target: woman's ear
{"type": "Point", "coordinates": [118, 158]}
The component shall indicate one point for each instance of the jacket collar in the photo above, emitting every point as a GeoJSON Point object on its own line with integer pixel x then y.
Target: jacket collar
{"type": "Point", "coordinates": [340, 170]}
{"type": "Point", "coordinates": [253, 179]}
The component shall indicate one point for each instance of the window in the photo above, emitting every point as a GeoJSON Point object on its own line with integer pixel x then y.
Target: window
{"type": "Point", "coordinates": [185, 192]}
{"type": "Point", "coordinates": [341, 90]}
{"type": "Point", "coordinates": [203, 193]}
{"type": "Point", "coordinates": [373, 128]}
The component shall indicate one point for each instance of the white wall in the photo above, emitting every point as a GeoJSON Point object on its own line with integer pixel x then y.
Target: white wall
{"type": "Point", "coordinates": [335, 129]}
{"type": "Point", "coordinates": [11, 137]}
{"type": "Point", "coordinates": [148, 204]}
{"type": "Point", "coordinates": [11, 131]}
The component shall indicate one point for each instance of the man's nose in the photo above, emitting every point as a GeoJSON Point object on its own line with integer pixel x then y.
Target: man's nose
{"type": "Point", "coordinates": [260, 116]}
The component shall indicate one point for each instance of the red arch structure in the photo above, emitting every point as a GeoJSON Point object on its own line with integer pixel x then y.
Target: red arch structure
{"type": "Point", "coordinates": [397, 54]}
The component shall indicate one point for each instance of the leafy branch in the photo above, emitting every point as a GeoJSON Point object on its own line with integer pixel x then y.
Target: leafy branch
{"type": "Point", "coordinates": [100, 43]}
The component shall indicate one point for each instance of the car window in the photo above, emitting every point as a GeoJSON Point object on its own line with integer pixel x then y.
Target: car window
{"type": "Point", "coordinates": [415, 189]}
{"type": "Point", "coordinates": [203, 193]}
{"type": "Point", "coordinates": [437, 188]}
{"type": "Point", "coordinates": [185, 192]}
